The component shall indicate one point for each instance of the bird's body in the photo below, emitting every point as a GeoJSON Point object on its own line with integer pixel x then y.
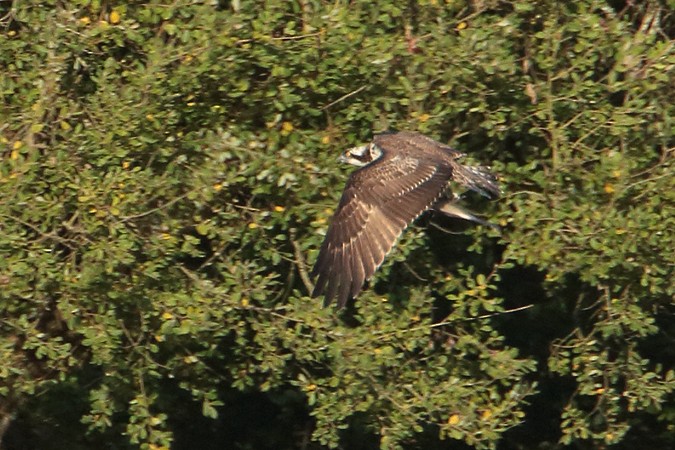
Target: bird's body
{"type": "Point", "coordinates": [403, 175]}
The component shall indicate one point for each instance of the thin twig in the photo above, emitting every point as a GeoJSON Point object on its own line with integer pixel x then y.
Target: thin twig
{"type": "Point", "coordinates": [300, 263]}
{"type": "Point", "coordinates": [280, 38]}
{"type": "Point", "coordinates": [499, 313]}
{"type": "Point", "coordinates": [344, 97]}
{"type": "Point", "coordinates": [450, 322]}
{"type": "Point", "coordinates": [443, 229]}
{"type": "Point", "coordinates": [295, 38]}
{"type": "Point", "coordinates": [156, 209]}
{"type": "Point", "coordinates": [415, 274]}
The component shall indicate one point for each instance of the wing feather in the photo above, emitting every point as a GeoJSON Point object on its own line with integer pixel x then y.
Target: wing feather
{"type": "Point", "coordinates": [358, 266]}
{"type": "Point", "coordinates": [379, 201]}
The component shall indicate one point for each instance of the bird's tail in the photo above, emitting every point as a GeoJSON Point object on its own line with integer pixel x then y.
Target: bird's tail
{"type": "Point", "coordinates": [478, 179]}
{"type": "Point", "coordinates": [453, 209]}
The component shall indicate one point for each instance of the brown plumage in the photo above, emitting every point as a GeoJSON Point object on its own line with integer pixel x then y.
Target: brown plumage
{"type": "Point", "coordinates": [404, 174]}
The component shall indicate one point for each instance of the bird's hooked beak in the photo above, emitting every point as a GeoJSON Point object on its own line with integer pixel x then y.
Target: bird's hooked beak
{"type": "Point", "coordinates": [355, 156]}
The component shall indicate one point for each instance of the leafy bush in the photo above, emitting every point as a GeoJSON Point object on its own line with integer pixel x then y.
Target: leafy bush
{"type": "Point", "coordinates": [169, 170]}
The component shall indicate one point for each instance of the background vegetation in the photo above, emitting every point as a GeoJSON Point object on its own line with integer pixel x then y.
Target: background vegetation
{"type": "Point", "coordinates": [168, 170]}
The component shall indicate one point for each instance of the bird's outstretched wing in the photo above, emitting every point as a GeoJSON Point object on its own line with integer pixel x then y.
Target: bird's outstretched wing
{"type": "Point", "coordinates": [379, 201]}
{"type": "Point", "coordinates": [476, 178]}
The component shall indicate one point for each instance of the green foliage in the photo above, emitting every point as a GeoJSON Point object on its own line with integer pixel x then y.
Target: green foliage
{"type": "Point", "coordinates": [168, 171]}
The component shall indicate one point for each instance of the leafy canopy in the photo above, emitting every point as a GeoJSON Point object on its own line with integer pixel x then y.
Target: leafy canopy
{"type": "Point", "coordinates": [168, 172]}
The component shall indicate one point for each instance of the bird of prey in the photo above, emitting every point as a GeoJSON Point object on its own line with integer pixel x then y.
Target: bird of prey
{"type": "Point", "coordinates": [403, 174]}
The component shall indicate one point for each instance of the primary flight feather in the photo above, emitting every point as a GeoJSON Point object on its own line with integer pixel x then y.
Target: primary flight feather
{"type": "Point", "coordinates": [402, 175]}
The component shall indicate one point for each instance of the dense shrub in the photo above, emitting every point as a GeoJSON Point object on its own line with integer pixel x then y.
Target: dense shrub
{"type": "Point", "coordinates": [168, 171]}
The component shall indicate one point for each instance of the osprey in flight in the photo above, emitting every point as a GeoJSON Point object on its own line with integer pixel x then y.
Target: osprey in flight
{"type": "Point", "coordinates": [403, 175]}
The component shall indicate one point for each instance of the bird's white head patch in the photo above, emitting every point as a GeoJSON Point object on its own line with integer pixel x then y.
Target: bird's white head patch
{"type": "Point", "coordinates": [360, 156]}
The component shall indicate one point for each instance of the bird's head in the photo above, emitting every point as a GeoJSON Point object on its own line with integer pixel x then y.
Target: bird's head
{"type": "Point", "coordinates": [360, 156]}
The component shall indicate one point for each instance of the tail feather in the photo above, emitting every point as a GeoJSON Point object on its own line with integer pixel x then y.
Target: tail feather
{"type": "Point", "coordinates": [478, 179]}
{"type": "Point", "coordinates": [453, 209]}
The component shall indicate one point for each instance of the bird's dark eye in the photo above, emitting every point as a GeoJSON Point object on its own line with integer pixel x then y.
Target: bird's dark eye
{"type": "Point", "coordinates": [363, 157]}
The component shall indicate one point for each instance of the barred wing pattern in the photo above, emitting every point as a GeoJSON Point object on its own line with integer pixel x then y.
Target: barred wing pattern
{"type": "Point", "coordinates": [378, 203]}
